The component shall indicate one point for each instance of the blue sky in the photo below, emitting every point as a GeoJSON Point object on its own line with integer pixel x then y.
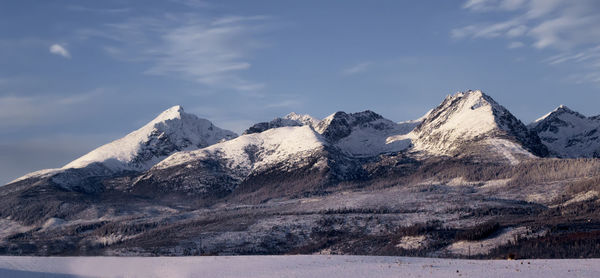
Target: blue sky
{"type": "Point", "coordinates": [77, 74]}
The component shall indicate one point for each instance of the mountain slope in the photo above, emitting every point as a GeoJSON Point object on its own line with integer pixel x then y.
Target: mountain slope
{"type": "Point", "coordinates": [475, 119]}
{"type": "Point", "coordinates": [272, 161]}
{"type": "Point", "coordinates": [171, 131]}
{"type": "Point", "coordinates": [569, 134]}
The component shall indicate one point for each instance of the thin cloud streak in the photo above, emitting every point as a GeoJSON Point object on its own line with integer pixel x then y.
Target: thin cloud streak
{"type": "Point", "coordinates": [358, 68]}
{"type": "Point", "coordinates": [212, 52]}
{"type": "Point", "coordinates": [569, 28]}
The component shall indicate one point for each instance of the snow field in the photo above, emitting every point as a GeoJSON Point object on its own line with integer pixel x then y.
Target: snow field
{"type": "Point", "coordinates": [291, 266]}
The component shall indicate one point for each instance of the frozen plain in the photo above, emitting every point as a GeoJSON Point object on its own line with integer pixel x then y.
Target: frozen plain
{"type": "Point", "coordinates": [291, 266]}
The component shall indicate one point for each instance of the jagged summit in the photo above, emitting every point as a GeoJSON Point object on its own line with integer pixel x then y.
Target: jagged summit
{"type": "Point", "coordinates": [472, 116]}
{"type": "Point", "coordinates": [568, 133]}
{"type": "Point", "coordinates": [305, 119]}
{"type": "Point", "coordinates": [339, 124]}
{"type": "Point", "coordinates": [363, 133]}
{"type": "Point", "coordinates": [291, 119]}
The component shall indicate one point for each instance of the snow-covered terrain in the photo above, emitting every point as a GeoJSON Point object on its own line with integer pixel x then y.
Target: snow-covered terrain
{"type": "Point", "coordinates": [257, 150]}
{"type": "Point", "coordinates": [291, 266]}
{"type": "Point", "coordinates": [469, 117]}
{"type": "Point", "coordinates": [366, 133]}
{"type": "Point", "coordinates": [569, 134]}
{"type": "Point", "coordinates": [171, 131]}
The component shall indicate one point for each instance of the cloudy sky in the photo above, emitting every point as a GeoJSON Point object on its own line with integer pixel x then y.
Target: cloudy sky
{"type": "Point", "coordinates": [77, 74]}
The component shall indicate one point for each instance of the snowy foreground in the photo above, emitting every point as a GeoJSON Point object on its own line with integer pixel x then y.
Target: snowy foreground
{"type": "Point", "coordinates": [290, 266]}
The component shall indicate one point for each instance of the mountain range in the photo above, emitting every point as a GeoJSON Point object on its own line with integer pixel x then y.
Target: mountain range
{"type": "Point", "coordinates": [465, 173]}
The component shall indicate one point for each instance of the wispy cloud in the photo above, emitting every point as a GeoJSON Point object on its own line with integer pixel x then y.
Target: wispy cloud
{"type": "Point", "coordinates": [358, 68]}
{"type": "Point", "coordinates": [193, 3]}
{"type": "Point", "coordinates": [60, 50]}
{"type": "Point", "coordinates": [284, 103]}
{"type": "Point", "coordinates": [214, 52]}
{"type": "Point", "coordinates": [514, 45]}
{"type": "Point", "coordinates": [77, 8]}
{"type": "Point", "coordinates": [570, 28]}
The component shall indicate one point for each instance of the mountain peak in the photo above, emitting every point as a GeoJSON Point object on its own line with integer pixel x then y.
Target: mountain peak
{"type": "Point", "coordinates": [304, 119]}
{"type": "Point", "coordinates": [556, 113]}
{"type": "Point", "coordinates": [172, 130]}
{"type": "Point", "coordinates": [469, 117]}
{"type": "Point", "coordinates": [174, 112]}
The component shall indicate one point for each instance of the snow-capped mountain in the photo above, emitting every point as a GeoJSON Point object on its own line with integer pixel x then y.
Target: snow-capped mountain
{"type": "Point", "coordinates": [475, 119]}
{"type": "Point", "coordinates": [171, 131]}
{"type": "Point", "coordinates": [569, 134]}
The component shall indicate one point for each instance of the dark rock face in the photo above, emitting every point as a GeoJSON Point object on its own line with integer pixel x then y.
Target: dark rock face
{"type": "Point", "coordinates": [337, 128]}
{"type": "Point", "coordinates": [517, 130]}
{"type": "Point", "coordinates": [278, 122]}
{"type": "Point", "coordinates": [340, 124]}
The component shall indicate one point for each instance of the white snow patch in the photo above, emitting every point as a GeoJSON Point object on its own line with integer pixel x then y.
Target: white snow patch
{"type": "Point", "coordinates": [9, 227]}
{"type": "Point", "coordinates": [510, 150]}
{"type": "Point", "coordinates": [583, 197]}
{"type": "Point", "coordinates": [413, 242]}
{"type": "Point", "coordinates": [38, 174]}
{"type": "Point", "coordinates": [465, 247]}
{"type": "Point", "coordinates": [53, 223]}
{"type": "Point", "coordinates": [369, 141]}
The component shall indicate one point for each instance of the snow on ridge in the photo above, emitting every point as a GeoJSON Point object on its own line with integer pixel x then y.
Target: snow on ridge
{"type": "Point", "coordinates": [40, 174]}
{"type": "Point", "coordinates": [304, 119]}
{"type": "Point", "coordinates": [283, 144]}
{"type": "Point", "coordinates": [557, 111]}
{"type": "Point", "coordinates": [462, 116]}
{"type": "Point", "coordinates": [291, 119]}
{"type": "Point", "coordinates": [567, 133]}
{"type": "Point", "coordinates": [172, 130]}
{"type": "Point", "coordinates": [467, 117]}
